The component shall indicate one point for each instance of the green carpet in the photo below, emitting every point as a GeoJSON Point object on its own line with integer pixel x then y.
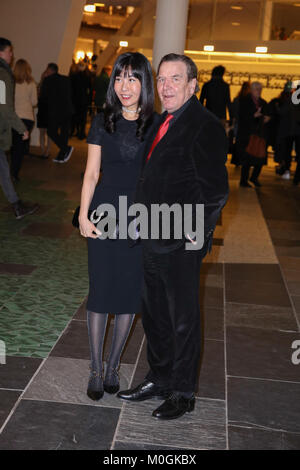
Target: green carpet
{"type": "Point", "coordinates": [35, 308]}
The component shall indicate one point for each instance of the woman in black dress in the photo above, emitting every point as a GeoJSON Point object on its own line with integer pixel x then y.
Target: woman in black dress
{"type": "Point", "coordinates": [115, 143]}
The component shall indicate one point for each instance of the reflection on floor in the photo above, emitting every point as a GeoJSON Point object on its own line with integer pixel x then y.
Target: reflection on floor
{"type": "Point", "coordinates": [248, 394]}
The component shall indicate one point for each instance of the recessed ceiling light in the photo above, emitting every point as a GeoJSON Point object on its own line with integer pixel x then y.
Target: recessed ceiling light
{"type": "Point", "coordinates": [261, 49]}
{"type": "Point", "coordinates": [123, 43]}
{"type": "Point", "coordinates": [90, 8]}
{"type": "Point", "coordinates": [236, 7]}
{"type": "Point", "coordinates": [80, 55]}
{"type": "Point", "coordinates": [209, 48]}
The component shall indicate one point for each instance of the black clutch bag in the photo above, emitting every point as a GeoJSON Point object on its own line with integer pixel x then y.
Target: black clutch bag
{"type": "Point", "coordinates": [113, 222]}
{"type": "Point", "coordinates": [75, 221]}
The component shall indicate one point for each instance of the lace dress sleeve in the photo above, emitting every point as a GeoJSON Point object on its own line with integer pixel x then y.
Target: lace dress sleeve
{"type": "Point", "coordinates": [97, 132]}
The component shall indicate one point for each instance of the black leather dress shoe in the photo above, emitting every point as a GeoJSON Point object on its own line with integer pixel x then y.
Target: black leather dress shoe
{"type": "Point", "coordinates": [145, 391]}
{"type": "Point", "coordinates": [174, 407]}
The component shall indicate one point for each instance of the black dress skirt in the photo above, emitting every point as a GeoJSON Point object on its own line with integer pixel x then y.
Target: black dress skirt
{"type": "Point", "coordinates": [115, 266]}
{"type": "Point", "coordinates": [42, 115]}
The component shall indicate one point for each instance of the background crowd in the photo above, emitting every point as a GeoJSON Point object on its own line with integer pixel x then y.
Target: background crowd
{"type": "Point", "coordinates": [64, 103]}
{"type": "Point", "coordinates": [253, 125]}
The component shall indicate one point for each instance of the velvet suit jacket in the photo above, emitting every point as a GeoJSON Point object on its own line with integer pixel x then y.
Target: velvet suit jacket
{"type": "Point", "coordinates": [187, 166]}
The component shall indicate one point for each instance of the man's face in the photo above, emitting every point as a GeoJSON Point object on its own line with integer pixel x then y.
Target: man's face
{"type": "Point", "coordinates": [49, 72]}
{"type": "Point", "coordinates": [7, 54]}
{"type": "Point", "coordinates": [256, 91]}
{"type": "Point", "coordinates": [173, 86]}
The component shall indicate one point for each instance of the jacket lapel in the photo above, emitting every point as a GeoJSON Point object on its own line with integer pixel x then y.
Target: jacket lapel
{"type": "Point", "coordinates": [172, 133]}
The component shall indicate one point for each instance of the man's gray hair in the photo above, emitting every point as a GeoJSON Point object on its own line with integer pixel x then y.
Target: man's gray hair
{"type": "Point", "coordinates": [192, 71]}
{"type": "Point", "coordinates": [256, 85]}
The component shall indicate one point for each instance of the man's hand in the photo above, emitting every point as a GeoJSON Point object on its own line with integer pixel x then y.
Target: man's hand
{"type": "Point", "coordinates": [192, 240]}
{"type": "Point", "coordinates": [25, 136]}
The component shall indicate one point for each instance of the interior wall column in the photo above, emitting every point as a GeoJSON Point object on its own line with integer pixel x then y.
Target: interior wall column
{"type": "Point", "coordinates": [266, 20]}
{"type": "Point", "coordinates": [95, 47]}
{"type": "Point", "coordinates": [170, 28]}
{"type": "Point", "coordinates": [213, 19]}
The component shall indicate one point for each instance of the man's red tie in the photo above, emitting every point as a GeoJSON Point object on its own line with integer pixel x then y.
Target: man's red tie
{"type": "Point", "coordinates": [160, 133]}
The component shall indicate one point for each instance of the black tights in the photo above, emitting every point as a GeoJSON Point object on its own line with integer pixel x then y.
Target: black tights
{"type": "Point", "coordinates": [96, 327]}
{"type": "Point", "coordinates": [245, 173]}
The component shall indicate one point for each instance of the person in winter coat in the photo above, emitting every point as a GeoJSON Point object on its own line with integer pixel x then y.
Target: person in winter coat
{"type": "Point", "coordinates": [8, 121]}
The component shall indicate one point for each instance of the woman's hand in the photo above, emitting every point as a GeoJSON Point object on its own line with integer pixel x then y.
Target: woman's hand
{"type": "Point", "coordinates": [87, 228]}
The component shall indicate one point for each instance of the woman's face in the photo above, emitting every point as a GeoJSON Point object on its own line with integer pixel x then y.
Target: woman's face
{"type": "Point", "coordinates": [128, 89]}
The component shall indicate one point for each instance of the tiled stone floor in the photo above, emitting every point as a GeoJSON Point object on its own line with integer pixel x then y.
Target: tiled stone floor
{"type": "Point", "coordinates": [248, 394]}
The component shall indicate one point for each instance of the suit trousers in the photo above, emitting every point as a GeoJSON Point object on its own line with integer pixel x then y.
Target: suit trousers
{"type": "Point", "coordinates": [59, 133]}
{"type": "Point", "coordinates": [19, 148]}
{"type": "Point", "coordinates": [171, 318]}
{"type": "Point", "coordinates": [245, 172]}
{"type": "Point", "coordinates": [5, 179]}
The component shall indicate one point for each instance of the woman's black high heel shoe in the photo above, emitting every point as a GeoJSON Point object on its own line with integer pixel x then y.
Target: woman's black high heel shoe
{"type": "Point", "coordinates": [95, 389]}
{"type": "Point", "coordinates": [111, 381]}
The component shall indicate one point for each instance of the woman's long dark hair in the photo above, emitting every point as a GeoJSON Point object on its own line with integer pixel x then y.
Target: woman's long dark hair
{"type": "Point", "coordinates": [140, 68]}
{"type": "Point", "coordinates": [245, 90]}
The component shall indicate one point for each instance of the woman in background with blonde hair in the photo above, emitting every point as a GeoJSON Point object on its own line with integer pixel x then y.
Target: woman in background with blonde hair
{"type": "Point", "coordinates": [25, 101]}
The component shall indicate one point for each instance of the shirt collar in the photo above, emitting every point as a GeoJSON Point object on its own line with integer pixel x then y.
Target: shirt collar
{"type": "Point", "coordinates": [177, 113]}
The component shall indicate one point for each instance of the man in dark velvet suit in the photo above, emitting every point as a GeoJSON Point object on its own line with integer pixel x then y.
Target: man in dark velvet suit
{"type": "Point", "coordinates": [186, 166]}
